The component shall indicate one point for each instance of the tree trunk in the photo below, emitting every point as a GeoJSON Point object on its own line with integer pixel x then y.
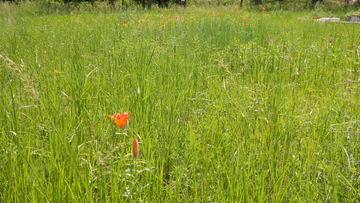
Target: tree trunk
{"type": "Point", "coordinates": [112, 3]}
{"type": "Point", "coordinates": [123, 3]}
{"type": "Point", "coordinates": [149, 4]}
{"type": "Point", "coordinates": [241, 3]}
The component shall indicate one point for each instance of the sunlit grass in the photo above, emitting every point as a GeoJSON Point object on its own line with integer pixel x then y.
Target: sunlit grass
{"type": "Point", "coordinates": [221, 113]}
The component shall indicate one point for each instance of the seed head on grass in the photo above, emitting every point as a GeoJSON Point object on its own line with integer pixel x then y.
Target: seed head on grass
{"type": "Point", "coordinates": [120, 119]}
{"type": "Point", "coordinates": [135, 148]}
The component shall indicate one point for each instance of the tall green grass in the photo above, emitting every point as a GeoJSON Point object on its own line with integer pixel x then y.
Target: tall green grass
{"type": "Point", "coordinates": [221, 113]}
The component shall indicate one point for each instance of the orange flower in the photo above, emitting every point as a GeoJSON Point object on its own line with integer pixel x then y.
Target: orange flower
{"type": "Point", "coordinates": [302, 18]}
{"type": "Point", "coordinates": [264, 9]}
{"type": "Point", "coordinates": [237, 9]}
{"type": "Point", "coordinates": [162, 20]}
{"type": "Point", "coordinates": [135, 148]}
{"type": "Point", "coordinates": [268, 36]}
{"type": "Point", "coordinates": [176, 17]}
{"type": "Point", "coordinates": [163, 14]}
{"type": "Point", "coordinates": [266, 15]}
{"type": "Point", "coordinates": [120, 119]}
{"type": "Point", "coordinates": [244, 18]}
{"type": "Point", "coordinates": [246, 24]}
{"type": "Point", "coordinates": [330, 39]}
{"type": "Point", "coordinates": [314, 17]}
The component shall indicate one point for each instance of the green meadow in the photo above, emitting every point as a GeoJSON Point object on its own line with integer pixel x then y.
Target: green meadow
{"type": "Point", "coordinates": [265, 109]}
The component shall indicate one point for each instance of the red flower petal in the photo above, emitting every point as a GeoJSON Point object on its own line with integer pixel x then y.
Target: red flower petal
{"type": "Point", "coordinates": [120, 119]}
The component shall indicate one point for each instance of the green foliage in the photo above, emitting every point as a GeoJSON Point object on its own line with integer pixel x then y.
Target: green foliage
{"type": "Point", "coordinates": [222, 114]}
{"type": "Point", "coordinates": [159, 3]}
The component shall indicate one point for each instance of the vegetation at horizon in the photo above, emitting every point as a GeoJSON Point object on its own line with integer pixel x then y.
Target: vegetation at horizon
{"type": "Point", "coordinates": [228, 105]}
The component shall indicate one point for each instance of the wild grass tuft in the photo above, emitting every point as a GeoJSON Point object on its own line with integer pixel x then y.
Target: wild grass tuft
{"type": "Point", "coordinates": [223, 112]}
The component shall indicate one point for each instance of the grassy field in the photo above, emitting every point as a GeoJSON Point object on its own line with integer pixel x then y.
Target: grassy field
{"type": "Point", "coordinates": [223, 112]}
